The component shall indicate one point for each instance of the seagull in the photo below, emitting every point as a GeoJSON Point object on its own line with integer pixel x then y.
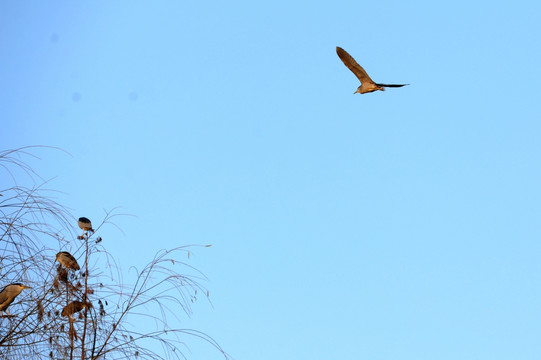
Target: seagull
{"type": "Point", "coordinates": [367, 84]}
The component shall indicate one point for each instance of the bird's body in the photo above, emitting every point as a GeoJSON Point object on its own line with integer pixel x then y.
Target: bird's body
{"type": "Point", "coordinates": [67, 260]}
{"type": "Point", "coordinates": [367, 84]}
{"type": "Point", "coordinates": [85, 225]}
{"type": "Point", "coordinates": [9, 293]}
{"type": "Point", "coordinates": [73, 307]}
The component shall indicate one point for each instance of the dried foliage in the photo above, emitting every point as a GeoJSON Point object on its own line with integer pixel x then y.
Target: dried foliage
{"type": "Point", "coordinates": [87, 313]}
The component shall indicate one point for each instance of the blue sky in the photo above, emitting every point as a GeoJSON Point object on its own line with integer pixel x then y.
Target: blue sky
{"type": "Point", "coordinates": [397, 224]}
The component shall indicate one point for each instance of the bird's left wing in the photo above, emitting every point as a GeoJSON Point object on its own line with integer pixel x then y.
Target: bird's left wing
{"type": "Point", "coordinates": [352, 65]}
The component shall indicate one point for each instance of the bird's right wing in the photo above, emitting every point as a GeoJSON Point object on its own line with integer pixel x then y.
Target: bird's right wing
{"type": "Point", "coordinates": [352, 65]}
{"type": "Point", "coordinates": [392, 85]}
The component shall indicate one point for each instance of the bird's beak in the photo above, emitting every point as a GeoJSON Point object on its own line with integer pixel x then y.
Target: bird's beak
{"type": "Point", "coordinates": [26, 287]}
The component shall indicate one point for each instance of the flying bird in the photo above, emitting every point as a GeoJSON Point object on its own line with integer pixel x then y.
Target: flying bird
{"type": "Point", "coordinates": [67, 260]}
{"type": "Point", "coordinates": [9, 293]}
{"type": "Point", "coordinates": [85, 225]}
{"type": "Point", "coordinates": [367, 84]}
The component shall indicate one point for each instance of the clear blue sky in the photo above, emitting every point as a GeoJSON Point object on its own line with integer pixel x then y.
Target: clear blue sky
{"type": "Point", "coordinates": [394, 225]}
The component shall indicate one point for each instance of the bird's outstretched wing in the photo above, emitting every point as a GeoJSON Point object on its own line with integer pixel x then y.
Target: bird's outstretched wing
{"type": "Point", "coordinates": [392, 85]}
{"type": "Point", "coordinates": [352, 65]}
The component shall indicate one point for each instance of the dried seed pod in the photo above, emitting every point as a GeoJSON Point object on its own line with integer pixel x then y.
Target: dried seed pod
{"type": "Point", "coordinates": [41, 311]}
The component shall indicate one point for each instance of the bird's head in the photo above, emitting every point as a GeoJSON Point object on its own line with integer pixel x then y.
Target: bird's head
{"type": "Point", "coordinates": [84, 220]}
{"type": "Point", "coordinates": [19, 287]}
{"type": "Point", "coordinates": [61, 254]}
{"type": "Point", "coordinates": [358, 90]}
